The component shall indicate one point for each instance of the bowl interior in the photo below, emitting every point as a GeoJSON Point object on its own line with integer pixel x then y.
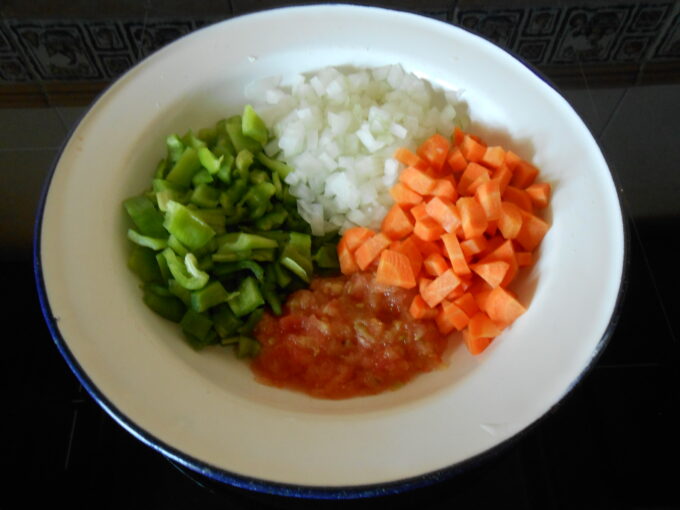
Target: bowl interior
{"type": "Point", "coordinates": [204, 408]}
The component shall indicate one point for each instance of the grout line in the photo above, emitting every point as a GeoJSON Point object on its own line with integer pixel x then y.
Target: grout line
{"type": "Point", "coordinates": [613, 113]}
{"type": "Point", "coordinates": [69, 446]}
{"type": "Point", "coordinates": [652, 278]}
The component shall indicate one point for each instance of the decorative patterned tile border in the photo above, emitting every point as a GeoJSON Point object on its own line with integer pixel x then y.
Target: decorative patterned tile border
{"type": "Point", "coordinates": [602, 38]}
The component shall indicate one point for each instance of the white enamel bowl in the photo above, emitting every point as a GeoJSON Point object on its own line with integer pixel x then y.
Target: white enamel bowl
{"type": "Point", "coordinates": [203, 409]}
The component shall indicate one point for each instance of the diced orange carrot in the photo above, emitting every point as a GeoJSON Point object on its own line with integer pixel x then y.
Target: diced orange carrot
{"type": "Point", "coordinates": [347, 263]}
{"type": "Point", "coordinates": [512, 160]}
{"type": "Point", "coordinates": [457, 136]}
{"type": "Point", "coordinates": [505, 252]}
{"type": "Point", "coordinates": [472, 150]}
{"type": "Point", "coordinates": [473, 246]}
{"type": "Point", "coordinates": [423, 282]}
{"type": "Point", "coordinates": [472, 217]}
{"type": "Point", "coordinates": [394, 269]}
{"type": "Point", "coordinates": [409, 248]}
{"type": "Point", "coordinates": [523, 175]}
{"type": "Point", "coordinates": [518, 197]}
{"type": "Point", "coordinates": [370, 250]}
{"type": "Point", "coordinates": [428, 229]}
{"type": "Point", "coordinates": [404, 195]}
{"type": "Point", "coordinates": [456, 293]}
{"type": "Point", "coordinates": [426, 247]}
{"type": "Point", "coordinates": [434, 150]}
{"type": "Point", "coordinates": [539, 192]}
{"type": "Point", "coordinates": [476, 345]}
{"type": "Point", "coordinates": [489, 196]}
{"type": "Point", "coordinates": [440, 287]}
{"type": "Point", "coordinates": [444, 212]}
{"type": "Point", "coordinates": [419, 212]}
{"type": "Point", "coordinates": [356, 236]}
{"type": "Point", "coordinates": [492, 273]}
{"type": "Point", "coordinates": [474, 185]}
{"type": "Point", "coordinates": [472, 171]}
{"type": "Point", "coordinates": [397, 223]}
{"type": "Point", "coordinates": [456, 255]}
{"type": "Point", "coordinates": [532, 232]}
{"type": "Point", "coordinates": [481, 326]}
{"type": "Point", "coordinates": [524, 258]}
{"type": "Point", "coordinates": [510, 221]}
{"type": "Point", "coordinates": [493, 157]}
{"type": "Point", "coordinates": [467, 303]}
{"type": "Point", "coordinates": [492, 243]}
{"type": "Point", "coordinates": [503, 175]}
{"type": "Point", "coordinates": [417, 180]}
{"type": "Point", "coordinates": [502, 307]}
{"type": "Point", "coordinates": [456, 160]}
{"type": "Point", "coordinates": [420, 310]}
{"type": "Point", "coordinates": [434, 264]}
{"type": "Point", "coordinates": [491, 228]}
{"type": "Point", "coordinates": [409, 158]}
{"type": "Point", "coordinates": [445, 189]}
{"type": "Point", "coordinates": [450, 317]}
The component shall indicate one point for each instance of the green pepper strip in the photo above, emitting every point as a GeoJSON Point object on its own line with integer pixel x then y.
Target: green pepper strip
{"type": "Point", "coordinates": [247, 298]}
{"type": "Point", "coordinates": [145, 216]}
{"type": "Point", "coordinates": [187, 274]}
{"type": "Point", "coordinates": [185, 168]}
{"type": "Point", "coordinates": [253, 126]}
{"type": "Point", "coordinates": [187, 226]}
{"type": "Point", "coordinates": [233, 267]}
{"type": "Point", "coordinates": [274, 165]}
{"type": "Point", "coordinates": [240, 241]}
{"type": "Point", "coordinates": [148, 242]}
{"type": "Point", "coordinates": [211, 295]}
{"type": "Point", "coordinates": [209, 161]}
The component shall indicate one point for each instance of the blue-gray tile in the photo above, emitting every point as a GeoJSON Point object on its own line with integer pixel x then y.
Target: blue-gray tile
{"type": "Point", "coordinates": [71, 115]}
{"type": "Point", "coordinates": [641, 143]}
{"type": "Point", "coordinates": [30, 128]}
{"type": "Point", "coordinates": [595, 106]}
{"type": "Point", "coordinates": [22, 177]}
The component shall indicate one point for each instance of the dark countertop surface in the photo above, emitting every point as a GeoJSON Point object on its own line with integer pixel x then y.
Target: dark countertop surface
{"type": "Point", "coordinates": [612, 443]}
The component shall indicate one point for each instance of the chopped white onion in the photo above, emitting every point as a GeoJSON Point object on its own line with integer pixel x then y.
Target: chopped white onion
{"type": "Point", "coordinates": [339, 131]}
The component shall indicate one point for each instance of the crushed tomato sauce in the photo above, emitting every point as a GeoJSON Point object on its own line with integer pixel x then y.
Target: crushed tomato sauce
{"type": "Point", "coordinates": [346, 336]}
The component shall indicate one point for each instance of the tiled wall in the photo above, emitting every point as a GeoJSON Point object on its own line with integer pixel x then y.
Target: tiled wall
{"type": "Point", "coordinates": [69, 54]}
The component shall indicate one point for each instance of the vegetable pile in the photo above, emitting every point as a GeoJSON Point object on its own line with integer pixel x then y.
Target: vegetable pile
{"type": "Point", "coordinates": [218, 236]}
{"type": "Point", "coordinates": [462, 225]}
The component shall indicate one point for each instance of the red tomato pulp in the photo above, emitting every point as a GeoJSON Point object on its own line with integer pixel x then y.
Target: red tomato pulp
{"type": "Point", "coordinates": [345, 337]}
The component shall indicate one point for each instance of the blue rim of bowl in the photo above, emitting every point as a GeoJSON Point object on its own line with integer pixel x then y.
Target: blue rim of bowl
{"type": "Point", "coordinates": [214, 473]}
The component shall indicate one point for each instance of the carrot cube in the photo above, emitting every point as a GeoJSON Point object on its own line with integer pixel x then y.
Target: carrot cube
{"type": "Point", "coordinates": [444, 212]}
{"type": "Point", "coordinates": [539, 192]}
{"type": "Point", "coordinates": [428, 229]}
{"type": "Point", "coordinates": [523, 175]}
{"type": "Point", "coordinates": [434, 150]}
{"type": "Point", "coordinates": [370, 250]}
{"type": "Point", "coordinates": [397, 224]}
{"type": "Point", "coordinates": [420, 310]}
{"type": "Point", "coordinates": [532, 232]}
{"type": "Point", "coordinates": [493, 157]}
{"type": "Point", "coordinates": [489, 196]}
{"type": "Point", "coordinates": [404, 195]}
{"type": "Point", "coordinates": [472, 149]}
{"type": "Point", "coordinates": [394, 268]}
{"type": "Point", "coordinates": [472, 217]}
{"type": "Point", "coordinates": [417, 180]}
{"type": "Point", "coordinates": [440, 287]}
{"type": "Point", "coordinates": [450, 317]}
{"type": "Point", "coordinates": [435, 264]}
